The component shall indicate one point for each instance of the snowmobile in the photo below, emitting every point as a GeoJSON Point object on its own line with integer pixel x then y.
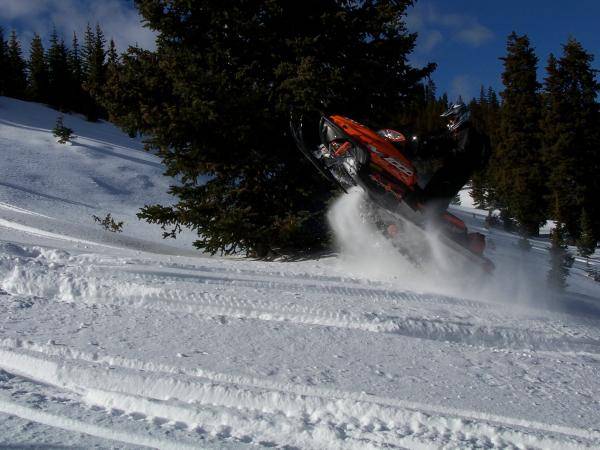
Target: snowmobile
{"type": "Point", "coordinates": [351, 154]}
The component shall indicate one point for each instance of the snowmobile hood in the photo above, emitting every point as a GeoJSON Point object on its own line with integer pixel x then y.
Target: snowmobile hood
{"type": "Point", "coordinates": [383, 153]}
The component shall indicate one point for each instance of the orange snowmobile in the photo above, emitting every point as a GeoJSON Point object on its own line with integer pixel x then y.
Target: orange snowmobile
{"type": "Point", "coordinates": [351, 154]}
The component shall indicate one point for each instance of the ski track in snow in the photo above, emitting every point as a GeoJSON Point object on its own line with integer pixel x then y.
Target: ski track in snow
{"type": "Point", "coordinates": [117, 341]}
{"type": "Point", "coordinates": [57, 281]}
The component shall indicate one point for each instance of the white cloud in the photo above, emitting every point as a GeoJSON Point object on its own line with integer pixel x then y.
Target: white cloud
{"type": "Point", "coordinates": [476, 35]}
{"type": "Point", "coordinates": [14, 9]}
{"type": "Point", "coordinates": [430, 40]}
{"type": "Point", "coordinates": [118, 19]}
{"type": "Point", "coordinates": [433, 24]}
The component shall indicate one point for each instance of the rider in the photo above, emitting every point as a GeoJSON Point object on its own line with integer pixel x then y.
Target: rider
{"type": "Point", "coordinates": [469, 152]}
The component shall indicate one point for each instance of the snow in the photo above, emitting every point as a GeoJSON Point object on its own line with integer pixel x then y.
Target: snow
{"type": "Point", "coordinates": [126, 340]}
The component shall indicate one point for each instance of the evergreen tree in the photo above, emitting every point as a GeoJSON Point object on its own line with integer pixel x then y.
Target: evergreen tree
{"type": "Point", "coordinates": [38, 71]}
{"type": "Point", "coordinates": [16, 79]}
{"type": "Point", "coordinates": [482, 96]}
{"type": "Point", "coordinates": [62, 133]}
{"type": "Point", "coordinates": [76, 94]}
{"type": "Point", "coordinates": [216, 105]}
{"type": "Point", "coordinates": [112, 56]}
{"type": "Point", "coordinates": [571, 136]}
{"type": "Point", "coordinates": [492, 98]}
{"type": "Point", "coordinates": [560, 259]}
{"type": "Point", "coordinates": [422, 116]}
{"type": "Point", "coordinates": [519, 173]}
{"type": "Point", "coordinates": [485, 112]}
{"type": "Point", "coordinates": [586, 244]}
{"type": "Point", "coordinates": [94, 56]}
{"type": "Point", "coordinates": [478, 192]}
{"type": "Point", "coordinates": [59, 74]}
{"type": "Point", "coordinates": [111, 93]}
{"type": "Point", "coordinates": [3, 62]}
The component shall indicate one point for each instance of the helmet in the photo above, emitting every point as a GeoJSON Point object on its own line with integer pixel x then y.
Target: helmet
{"type": "Point", "coordinates": [458, 114]}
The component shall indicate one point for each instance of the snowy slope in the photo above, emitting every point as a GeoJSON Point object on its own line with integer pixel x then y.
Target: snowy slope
{"type": "Point", "coordinates": [127, 341]}
{"type": "Point", "coordinates": [56, 188]}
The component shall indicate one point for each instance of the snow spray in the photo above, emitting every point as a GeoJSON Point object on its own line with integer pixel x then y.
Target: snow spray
{"type": "Point", "coordinates": [365, 252]}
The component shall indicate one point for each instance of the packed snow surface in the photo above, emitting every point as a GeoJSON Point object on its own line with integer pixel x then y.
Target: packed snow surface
{"type": "Point", "coordinates": [126, 340]}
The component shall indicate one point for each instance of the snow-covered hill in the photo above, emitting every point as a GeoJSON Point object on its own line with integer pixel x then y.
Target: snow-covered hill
{"type": "Point", "coordinates": [127, 340]}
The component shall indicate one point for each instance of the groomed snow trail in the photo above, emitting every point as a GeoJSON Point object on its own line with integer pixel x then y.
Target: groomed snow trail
{"type": "Point", "coordinates": [120, 341]}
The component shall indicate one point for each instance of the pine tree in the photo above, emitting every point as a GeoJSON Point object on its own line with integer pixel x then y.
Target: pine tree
{"type": "Point", "coordinates": [586, 244]}
{"type": "Point", "coordinates": [483, 99]}
{"type": "Point", "coordinates": [59, 74]}
{"type": "Point", "coordinates": [94, 56]}
{"type": "Point", "coordinates": [111, 92]}
{"type": "Point", "coordinates": [493, 98]}
{"type": "Point", "coordinates": [112, 56]}
{"type": "Point", "coordinates": [62, 133]}
{"type": "Point", "coordinates": [518, 169]}
{"type": "Point", "coordinates": [3, 62]}
{"type": "Point", "coordinates": [478, 192]}
{"type": "Point", "coordinates": [38, 87]}
{"type": "Point", "coordinates": [16, 80]}
{"type": "Point", "coordinates": [216, 105]}
{"type": "Point", "coordinates": [76, 94]}
{"type": "Point", "coordinates": [422, 115]}
{"type": "Point", "coordinates": [571, 135]}
{"type": "Point", "coordinates": [560, 259]}
{"type": "Point", "coordinates": [484, 115]}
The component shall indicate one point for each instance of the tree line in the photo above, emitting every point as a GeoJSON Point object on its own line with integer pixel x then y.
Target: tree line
{"type": "Point", "coordinates": [546, 143]}
{"type": "Point", "coordinates": [545, 138]}
{"type": "Point", "coordinates": [68, 78]}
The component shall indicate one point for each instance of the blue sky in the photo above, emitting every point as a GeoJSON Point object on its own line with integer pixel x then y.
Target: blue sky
{"type": "Point", "coordinates": [118, 18]}
{"type": "Point", "coordinates": [465, 37]}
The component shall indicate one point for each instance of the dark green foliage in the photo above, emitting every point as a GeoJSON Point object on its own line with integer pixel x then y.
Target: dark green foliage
{"type": "Point", "coordinates": [508, 223]}
{"type": "Point", "coordinates": [560, 259]}
{"type": "Point", "coordinates": [422, 116]}
{"type": "Point", "coordinates": [519, 174]}
{"type": "Point", "coordinates": [112, 97]}
{"type": "Point", "coordinates": [61, 132]}
{"type": "Point", "coordinates": [59, 75]}
{"type": "Point", "coordinates": [215, 101]}
{"type": "Point", "coordinates": [108, 223]}
{"type": "Point", "coordinates": [94, 70]}
{"type": "Point", "coordinates": [3, 62]}
{"type": "Point", "coordinates": [138, 75]}
{"type": "Point", "coordinates": [570, 130]}
{"type": "Point", "coordinates": [76, 94]}
{"type": "Point", "coordinates": [586, 244]}
{"type": "Point", "coordinates": [38, 71]}
{"type": "Point", "coordinates": [485, 113]}
{"type": "Point", "coordinates": [478, 193]}
{"type": "Point", "coordinates": [16, 80]}
{"type": "Point", "coordinates": [56, 77]}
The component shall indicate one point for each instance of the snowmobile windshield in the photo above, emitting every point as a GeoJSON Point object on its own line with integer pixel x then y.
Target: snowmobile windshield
{"type": "Point", "coordinates": [335, 142]}
{"type": "Point", "coordinates": [340, 154]}
{"type": "Point", "coordinates": [330, 132]}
